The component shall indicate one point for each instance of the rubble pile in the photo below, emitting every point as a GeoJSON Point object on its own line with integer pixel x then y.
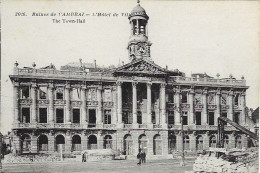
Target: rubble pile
{"type": "Point", "coordinates": [244, 164]}
{"type": "Point", "coordinates": [26, 158]}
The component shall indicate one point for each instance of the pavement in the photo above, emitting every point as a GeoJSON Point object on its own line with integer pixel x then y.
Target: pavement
{"type": "Point", "coordinates": [122, 166]}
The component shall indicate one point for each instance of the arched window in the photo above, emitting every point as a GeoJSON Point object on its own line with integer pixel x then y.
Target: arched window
{"type": "Point", "coordinates": [25, 143]}
{"type": "Point", "coordinates": [76, 143]}
{"type": "Point", "coordinates": [43, 143]}
{"type": "Point", "coordinates": [186, 142]}
{"type": "Point", "coordinates": [212, 142]}
{"type": "Point", "coordinates": [92, 142]}
{"type": "Point", "coordinates": [108, 142]}
{"type": "Point", "coordinates": [157, 145]}
{"type": "Point", "coordinates": [199, 142]}
{"type": "Point", "coordinates": [171, 143]}
{"type": "Point", "coordinates": [128, 145]}
{"type": "Point", "coordinates": [238, 142]}
{"type": "Point", "coordinates": [60, 143]}
{"type": "Point", "coordinates": [143, 143]}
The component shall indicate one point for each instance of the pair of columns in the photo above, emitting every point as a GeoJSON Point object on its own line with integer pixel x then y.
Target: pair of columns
{"type": "Point", "coordinates": [149, 103]}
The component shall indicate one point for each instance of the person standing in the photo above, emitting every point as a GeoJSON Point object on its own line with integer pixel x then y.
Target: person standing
{"type": "Point", "coordinates": [144, 157]}
{"type": "Point", "coordinates": [139, 157]}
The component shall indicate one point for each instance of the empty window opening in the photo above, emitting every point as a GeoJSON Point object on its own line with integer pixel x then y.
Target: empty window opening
{"type": "Point", "coordinates": [153, 118]}
{"type": "Point", "coordinates": [42, 92]}
{"type": "Point", "coordinates": [43, 115]}
{"type": "Point", "coordinates": [236, 117]}
{"type": "Point", "coordinates": [139, 117]}
{"type": "Point", "coordinates": [92, 116]}
{"type": "Point", "coordinates": [185, 118]}
{"type": "Point", "coordinates": [75, 94]}
{"type": "Point", "coordinates": [211, 118]}
{"type": "Point", "coordinates": [224, 114]}
{"type": "Point", "coordinates": [26, 115]}
{"type": "Point", "coordinates": [76, 116]}
{"type": "Point", "coordinates": [59, 116]}
{"type": "Point", "coordinates": [25, 92]}
{"type": "Point", "coordinates": [198, 118]}
{"type": "Point", "coordinates": [107, 117]}
{"type": "Point", "coordinates": [59, 93]}
{"type": "Point", "coordinates": [184, 97]}
{"type": "Point", "coordinates": [171, 117]}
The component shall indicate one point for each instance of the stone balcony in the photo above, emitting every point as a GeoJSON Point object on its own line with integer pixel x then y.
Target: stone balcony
{"type": "Point", "coordinates": [200, 127]}
{"type": "Point", "coordinates": [207, 81]}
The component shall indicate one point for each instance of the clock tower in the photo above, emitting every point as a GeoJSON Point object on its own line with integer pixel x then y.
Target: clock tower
{"type": "Point", "coordinates": [138, 45]}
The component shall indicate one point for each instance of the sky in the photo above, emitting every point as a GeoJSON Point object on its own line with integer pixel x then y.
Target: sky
{"type": "Point", "coordinates": [192, 36]}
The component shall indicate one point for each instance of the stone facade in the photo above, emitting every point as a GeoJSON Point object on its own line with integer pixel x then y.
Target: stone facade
{"type": "Point", "coordinates": [131, 107]}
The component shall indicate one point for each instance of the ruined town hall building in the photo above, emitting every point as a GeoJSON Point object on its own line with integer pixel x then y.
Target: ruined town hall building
{"type": "Point", "coordinates": [134, 106]}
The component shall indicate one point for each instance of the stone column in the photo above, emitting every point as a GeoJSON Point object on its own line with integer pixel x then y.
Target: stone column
{"type": "Point", "coordinates": [243, 108]}
{"type": "Point", "coordinates": [177, 114]}
{"type": "Point", "coordinates": [191, 102]}
{"type": "Point", "coordinates": [163, 104]}
{"type": "Point", "coordinates": [135, 125]}
{"type": "Point", "coordinates": [218, 107]}
{"type": "Point", "coordinates": [16, 102]}
{"type": "Point", "coordinates": [67, 98]}
{"type": "Point", "coordinates": [204, 117]}
{"type": "Point", "coordinates": [231, 105]}
{"type": "Point", "coordinates": [119, 105]}
{"type": "Point", "coordinates": [192, 139]}
{"type": "Point", "coordinates": [149, 105]}
{"type": "Point", "coordinates": [34, 104]}
{"type": "Point", "coordinates": [114, 118]}
{"type": "Point", "coordinates": [99, 109]}
{"type": "Point", "coordinates": [178, 142]}
{"type": "Point", "coordinates": [83, 105]}
{"type": "Point", "coordinates": [51, 103]}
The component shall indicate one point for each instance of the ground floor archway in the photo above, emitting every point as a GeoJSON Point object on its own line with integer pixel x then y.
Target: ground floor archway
{"type": "Point", "coordinates": [108, 142]}
{"type": "Point", "coordinates": [43, 143]}
{"type": "Point", "coordinates": [128, 145]}
{"type": "Point", "coordinates": [76, 143]}
{"type": "Point", "coordinates": [25, 143]}
{"type": "Point", "coordinates": [60, 143]}
{"type": "Point", "coordinates": [157, 145]}
{"type": "Point", "coordinates": [92, 142]}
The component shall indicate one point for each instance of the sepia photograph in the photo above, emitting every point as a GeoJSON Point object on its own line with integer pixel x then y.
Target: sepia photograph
{"type": "Point", "coordinates": [129, 86]}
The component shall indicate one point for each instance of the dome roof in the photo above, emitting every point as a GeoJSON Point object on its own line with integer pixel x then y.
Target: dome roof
{"type": "Point", "coordinates": [138, 11]}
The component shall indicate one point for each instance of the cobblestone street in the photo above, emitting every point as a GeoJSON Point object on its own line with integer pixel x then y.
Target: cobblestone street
{"type": "Point", "coordinates": [156, 166]}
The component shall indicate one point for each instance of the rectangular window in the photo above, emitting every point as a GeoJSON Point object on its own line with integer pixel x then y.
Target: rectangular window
{"type": "Point", "coordinates": [59, 116]}
{"type": "Point", "coordinates": [236, 117]}
{"type": "Point", "coordinates": [42, 92]}
{"type": "Point", "coordinates": [153, 118]}
{"type": "Point", "coordinates": [76, 116]}
{"type": "Point", "coordinates": [170, 97]}
{"type": "Point", "coordinates": [75, 94]}
{"type": "Point", "coordinates": [107, 117]}
{"type": "Point", "coordinates": [92, 116]}
{"type": "Point", "coordinates": [43, 115]}
{"type": "Point", "coordinates": [184, 97]}
{"type": "Point", "coordinates": [198, 118]}
{"type": "Point", "coordinates": [139, 117]}
{"type": "Point", "coordinates": [211, 118]}
{"type": "Point", "coordinates": [25, 92]}
{"type": "Point", "coordinates": [127, 117]}
{"type": "Point", "coordinates": [236, 99]}
{"type": "Point", "coordinates": [185, 118]}
{"type": "Point", "coordinates": [171, 117]}
{"type": "Point", "coordinates": [59, 93]}
{"type": "Point", "coordinates": [26, 115]}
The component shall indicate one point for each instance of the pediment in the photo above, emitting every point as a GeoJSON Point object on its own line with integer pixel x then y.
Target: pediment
{"type": "Point", "coordinates": [141, 68]}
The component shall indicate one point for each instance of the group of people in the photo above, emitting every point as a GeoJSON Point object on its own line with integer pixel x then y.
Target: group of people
{"type": "Point", "coordinates": [141, 156]}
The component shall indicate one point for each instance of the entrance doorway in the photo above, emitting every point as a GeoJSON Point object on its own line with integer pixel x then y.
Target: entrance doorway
{"type": "Point", "coordinates": [92, 142]}
{"type": "Point", "coordinates": [128, 145]}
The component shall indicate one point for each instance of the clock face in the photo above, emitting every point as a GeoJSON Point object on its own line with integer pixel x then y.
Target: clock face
{"type": "Point", "coordinates": [141, 49]}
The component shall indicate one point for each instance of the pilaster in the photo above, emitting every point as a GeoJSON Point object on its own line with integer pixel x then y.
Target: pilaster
{"type": "Point", "coordinates": [34, 99]}
{"type": "Point", "coordinates": [68, 141]}
{"type": "Point", "coordinates": [218, 106]}
{"type": "Point", "coordinates": [149, 105]}
{"type": "Point", "coordinates": [135, 125]}
{"type": "Point", "coordinates": [206, 141]}
{"type": "Point", "coordinates": [243, 108]}
{"type": "Point", "coordinates": [84, 141]}
{"type": "Point", "coordinates": [67, 97]}
{"type": "Point", "coordinates": [177, 105]}
{"type": "Point", "coordinates": [51, 103]}
{"type": "Point", "coordinates": [16, 101]}
{"type": "Point", "coordinates": [114, 114]}
{"type": "Point", "coordinates": [191, 102]}
{"type": "Point", "coordinates": [51, 141]}
{"type": "Point", "coordinates": [163, 106]}
{"type": "Point", "coordinates": [231, 105]}
{"type": "Point", "coordinates": [83, 105]}
{"type": "Point", "coordinates": [99, 109]}
{"type": "Point", "coordinates": [204, 116]}
{"type": "Point", "coordinates": [119, 105]}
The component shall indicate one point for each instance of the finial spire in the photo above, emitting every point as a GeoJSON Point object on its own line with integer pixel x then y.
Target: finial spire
{"type": "Point", "coordinates": [138, 1]}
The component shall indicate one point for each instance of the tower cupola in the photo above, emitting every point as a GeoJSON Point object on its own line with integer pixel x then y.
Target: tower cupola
{"type": "Point", "coordinates": [138, 45]}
